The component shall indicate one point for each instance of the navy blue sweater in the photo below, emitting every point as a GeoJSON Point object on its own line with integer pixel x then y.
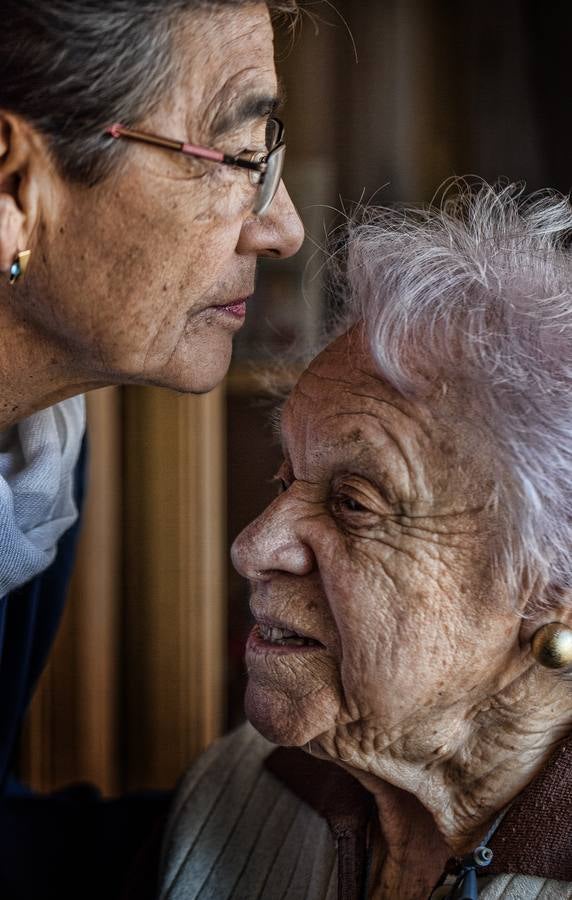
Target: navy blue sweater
{"type": "Point", "coordinates": [70, 844]}
{"type": "Point", "coordinates": [29, 620]}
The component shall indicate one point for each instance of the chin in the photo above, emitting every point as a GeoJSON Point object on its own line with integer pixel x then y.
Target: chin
{"type": "Point", "coordinates": [280, 720]}
{"type": "Point", "coordinates": [191, 373]}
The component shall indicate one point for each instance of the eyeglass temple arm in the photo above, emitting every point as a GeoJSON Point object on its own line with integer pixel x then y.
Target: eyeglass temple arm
{"type": "Point", "coordinates": [120, 131]}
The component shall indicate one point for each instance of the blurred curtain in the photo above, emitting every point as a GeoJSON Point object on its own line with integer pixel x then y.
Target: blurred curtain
{"type": "Point", "coordinates": [134, 688]}
{"type": "Point", "coordinates": [444, 88]}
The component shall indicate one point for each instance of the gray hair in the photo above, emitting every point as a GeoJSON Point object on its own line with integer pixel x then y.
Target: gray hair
{"type": "Point", "coordinates": [477, 292]}
{"type": "Point", "coordinates": [73, 67]}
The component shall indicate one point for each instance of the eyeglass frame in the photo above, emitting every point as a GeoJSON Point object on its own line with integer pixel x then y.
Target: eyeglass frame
{"type": "Point", "coordinates": [256, 162]}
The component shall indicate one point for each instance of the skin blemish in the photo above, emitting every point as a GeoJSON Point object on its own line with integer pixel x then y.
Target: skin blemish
{"type": "Point", "coordinates": [355, 436]}
{"type": "Point", "coordinates": [447, 448]}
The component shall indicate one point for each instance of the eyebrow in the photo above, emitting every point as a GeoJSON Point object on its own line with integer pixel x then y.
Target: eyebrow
{"type": "Point", "coordinates": [253, 106]}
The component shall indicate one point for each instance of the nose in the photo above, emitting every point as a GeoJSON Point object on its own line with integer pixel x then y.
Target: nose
{"type": "Point", "coordinates": [278, 232]}
{"type": "Point", "coordinates": [271, 544]}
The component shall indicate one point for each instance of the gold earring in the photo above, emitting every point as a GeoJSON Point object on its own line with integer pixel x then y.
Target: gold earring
{"type": "Point", "coordinates": [19, 266]}
{"type": "Point", "coordinates": [552, 646]}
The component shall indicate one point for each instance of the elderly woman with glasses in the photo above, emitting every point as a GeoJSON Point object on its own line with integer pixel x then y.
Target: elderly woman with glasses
{"type": "Point", "coordinates": [140, 180]}
{"type": "Point", "coordinates": [411, 587]}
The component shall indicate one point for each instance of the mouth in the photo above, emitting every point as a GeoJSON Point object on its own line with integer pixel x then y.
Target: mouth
{"type": "Point", "coordinates": [236, 308]}
{"type": "Point", "coordinates": [279, 638]}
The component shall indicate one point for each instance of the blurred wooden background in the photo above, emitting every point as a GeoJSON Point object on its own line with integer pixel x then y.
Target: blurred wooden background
{"type": "Point", "coordinates": [146, 671]}
{"type": "Point", "coordinates": [135, 688]}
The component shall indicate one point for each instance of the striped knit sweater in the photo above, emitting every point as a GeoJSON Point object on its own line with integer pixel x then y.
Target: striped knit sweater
{"type": "Point", "coordinates": [238, 832]}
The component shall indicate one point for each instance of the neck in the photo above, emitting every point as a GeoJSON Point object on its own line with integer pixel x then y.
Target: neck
{"type": "Point", "coordinates": [36, 370]}
{"type": "Point", "coordinates": [438, 801]}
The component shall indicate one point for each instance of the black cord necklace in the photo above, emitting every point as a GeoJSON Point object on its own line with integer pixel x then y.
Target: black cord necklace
{"type": "Point", "coordinates": [459, 881]}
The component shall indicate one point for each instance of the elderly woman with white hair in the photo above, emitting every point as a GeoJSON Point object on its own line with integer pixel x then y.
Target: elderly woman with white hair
{"type": "Point", "coordinates": [412, 587]}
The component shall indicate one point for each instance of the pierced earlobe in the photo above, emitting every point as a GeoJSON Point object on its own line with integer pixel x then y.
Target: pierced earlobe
{"type": "Point", "coordinates": [552, 646]}
{"type": "Point", "coordinates": [19, 266]}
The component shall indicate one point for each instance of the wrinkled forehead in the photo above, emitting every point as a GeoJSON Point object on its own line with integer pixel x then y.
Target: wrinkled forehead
{"type": "Point", "coordinates": [344, 377]}
{"type": "Point", "coordinates": [342, 406]}
{"type": "Point", "coordinates": [226, 72]}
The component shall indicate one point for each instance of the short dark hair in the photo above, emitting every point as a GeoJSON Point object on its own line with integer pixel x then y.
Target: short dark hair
{"type": "Point", "coordinates": [72, 67]}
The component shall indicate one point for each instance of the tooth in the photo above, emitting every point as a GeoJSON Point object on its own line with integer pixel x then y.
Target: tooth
{"type": "Point", "coordinates": [283, 636]}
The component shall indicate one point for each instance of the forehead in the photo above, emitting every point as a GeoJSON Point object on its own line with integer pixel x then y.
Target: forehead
{"type": "Point", "coordinates": [342, 382]}
{"type": "Point", "coordinates": [226, 61]}
{"type": "Point", "coordinates": [342, 410]}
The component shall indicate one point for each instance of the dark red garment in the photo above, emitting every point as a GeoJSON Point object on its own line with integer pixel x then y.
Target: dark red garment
{"type": "Point", "coordinates": [534, 838]}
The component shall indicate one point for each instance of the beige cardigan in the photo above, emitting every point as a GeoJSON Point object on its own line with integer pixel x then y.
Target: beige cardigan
{"type": "Point", "coordinates": [236, 831]}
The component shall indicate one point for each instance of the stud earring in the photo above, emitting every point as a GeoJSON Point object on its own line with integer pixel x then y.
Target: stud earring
{"type": "Point", "coordinates": [19, 266]}
{"type": "Point", "coordinates": [552, 646]}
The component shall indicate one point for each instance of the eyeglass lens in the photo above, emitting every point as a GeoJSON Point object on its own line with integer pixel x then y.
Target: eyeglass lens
{"type": "Point", "coordinates": [271, 182]}
{"type": "Point", "coordinates": [273, 130]}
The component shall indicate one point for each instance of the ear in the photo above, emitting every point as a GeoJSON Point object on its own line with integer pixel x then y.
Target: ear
{"type": "Point", "coordinates": [551, 604]}
{"type": "Point", "coordinates": [20, 153]}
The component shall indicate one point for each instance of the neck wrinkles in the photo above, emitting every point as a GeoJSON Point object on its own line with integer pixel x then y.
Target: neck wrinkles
{"type": "Point", "coordinates": [35, 370]}
{"type": "Point", "coordinates": [431, 809]}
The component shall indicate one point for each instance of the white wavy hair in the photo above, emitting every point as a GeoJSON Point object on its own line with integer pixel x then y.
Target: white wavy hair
{"type": "Point", "coordinates": [477, 291]}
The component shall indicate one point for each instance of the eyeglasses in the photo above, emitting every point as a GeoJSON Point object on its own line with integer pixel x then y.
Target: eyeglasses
{"type": "Point", "coordinates": [265, 167]}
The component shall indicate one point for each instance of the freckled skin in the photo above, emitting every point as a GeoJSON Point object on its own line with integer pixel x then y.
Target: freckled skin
{"type": "Point", "coordinates": [124, 275]}
{"type": "Point", "coordinates": [380, 548]}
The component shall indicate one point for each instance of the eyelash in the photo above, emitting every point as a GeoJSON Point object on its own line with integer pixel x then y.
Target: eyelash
{"type": "Point", "coordinates": [348, 504]}
{"type": "Point", "coordinates": [340, 502]}
{"type": "Point", "coordinates": [343, 503]}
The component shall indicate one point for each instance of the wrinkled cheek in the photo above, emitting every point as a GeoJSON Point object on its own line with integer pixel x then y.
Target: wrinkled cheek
{"type": "Point", "coordinates": [381, 677]}
{"type": "Point", "coordinates": [363, 688]}
{"type": "Point", "coordinates": [229, 201]}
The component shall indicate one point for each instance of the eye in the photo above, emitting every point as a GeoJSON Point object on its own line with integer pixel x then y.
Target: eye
{"type": "Point", "coordinates": [343, 503]}
{"type": "Point", "coordinates": [350, 504]}
{"type": "Point", "coordinates": [354, 500]}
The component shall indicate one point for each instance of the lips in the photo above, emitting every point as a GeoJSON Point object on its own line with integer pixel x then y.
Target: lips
{"type": "Point", "coordinates": [236, 308]}
{"type": "Point", "coordinates": [284, 637]}
{"type": "Point", "coordinates": [276, 635]}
